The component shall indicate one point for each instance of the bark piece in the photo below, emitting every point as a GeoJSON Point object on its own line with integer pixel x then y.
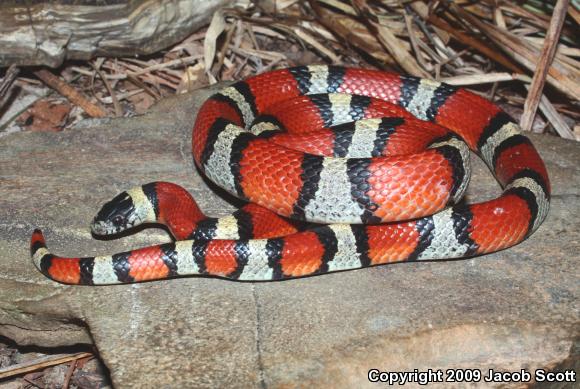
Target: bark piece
{"type": "Point", "coordinates": [48, 32]}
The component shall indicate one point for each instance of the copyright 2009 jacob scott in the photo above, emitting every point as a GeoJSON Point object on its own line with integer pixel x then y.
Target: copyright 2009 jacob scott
{"type": "Point", "coordinates": [468, 375]}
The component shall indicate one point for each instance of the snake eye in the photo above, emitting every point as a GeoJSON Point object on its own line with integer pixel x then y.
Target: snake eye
{"type": "Point", "coordinates": [118, 220]}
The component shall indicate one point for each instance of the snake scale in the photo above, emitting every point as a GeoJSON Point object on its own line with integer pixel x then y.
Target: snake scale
{"type": "Point", "coordinates": [342, 168]}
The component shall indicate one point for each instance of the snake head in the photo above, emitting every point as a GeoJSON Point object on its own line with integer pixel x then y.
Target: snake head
{"type": "Point", "coordinates": [126, 210]}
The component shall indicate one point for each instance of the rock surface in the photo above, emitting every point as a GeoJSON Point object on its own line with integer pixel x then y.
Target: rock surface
{"type": "Point", "coordinates": [517, 309]}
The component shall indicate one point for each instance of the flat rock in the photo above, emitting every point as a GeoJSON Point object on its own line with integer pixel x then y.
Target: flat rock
{"type": "Point", "coordinates": [516, 309]}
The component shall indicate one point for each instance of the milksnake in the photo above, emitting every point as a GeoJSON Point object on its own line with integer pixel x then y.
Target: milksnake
{"type": "Point", "coordinates": [382, 152]}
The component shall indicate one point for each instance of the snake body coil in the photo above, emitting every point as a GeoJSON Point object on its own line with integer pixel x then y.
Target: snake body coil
{"type": "Point", "coordinates": [377, 155]}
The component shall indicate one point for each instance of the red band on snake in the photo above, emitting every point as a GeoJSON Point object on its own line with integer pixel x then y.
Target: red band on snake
{"type": "Point", "coordinates": [378, 156]}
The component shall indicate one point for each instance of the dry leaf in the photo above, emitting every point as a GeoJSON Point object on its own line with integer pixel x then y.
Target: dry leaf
{"type": "Point", "coordinates": [193, 78]}
{"type": "Point", "coordinates": [216, 27]}
{"type": "Point", "coordinates": [45, 115]}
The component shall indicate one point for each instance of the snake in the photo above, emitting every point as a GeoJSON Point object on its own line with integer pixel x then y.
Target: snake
{"type": "Point", "coordinates": [340, 168]}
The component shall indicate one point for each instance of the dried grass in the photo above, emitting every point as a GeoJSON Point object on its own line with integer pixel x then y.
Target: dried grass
{"type": "Point", "coordinates": [492, 46]}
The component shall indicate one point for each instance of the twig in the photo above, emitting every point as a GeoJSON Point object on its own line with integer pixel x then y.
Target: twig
{"type": "Point", "coordinates": [389, 41]}
{"type": "Point", "coordinates": [563, 50]}
{"type": "Point", "coordinates": [225, 47]}
{"type": "Point", "coordinates": [142, 85]}
{"type": "Point", "coordinates": [561, 77]}
{"type": "Point", "coordinates": [116, 105]}
{"type": "Point", "coordinates": [537, 19]}
{"type": "Point", "coordinates": [266, 55]}
{"type": "Point", "coordinates": [70, 93]}
{"type": "Point", "coordinates": [499, 19]}
{"type": "Point", "coordinates": [493, 91]}
{"type": "Point", "coordinates": [319, 31]}
{"type": "Point", "coordinates": [575, 14]}
{"type": "Point", "coordinates": [484, 78]}
{"type": "Point", "coordinates": [570, 112]}
{"type": "Point", "coordinates": [269, 32]}
{"type": "Point", "coordinates": [143, 68]}
{"type": "Point", "coordinates": [422, 9]}
{"type": "Point", "coordinates": [216, 27]}
{"type": "Point", "coordinates": [7, 81]}
{"type": "Point", "coordinates": [448, 60]}
{"type": "Point", "coordinates": [415, 44]}
{"type": "Point", "coordinates": [153, 79]}
{"type": "Point", "coordinates": [248, 29]}
{"type": "Point", "coordinates": [300, 33]}
{"type": "Point", "coordinates": [543, 64]}
{"type": "Point", "coordinates": [123, 96]}
{"type": "Point", "coordinates": [164, 65]}
{"type": "Point", "coordinates": [33, 383]}
{"type": "Point", "coordinates": [471, 41]}
{"type": "Point", "coordinates": [555, 118]}
{"type": "Point", "coordinates": [523, 13]}
{"type": "Point", "coordinates": [69, 374]}
{"type": "Point", "coordinates": [40, 363]}
{"type": "Point", "coordinates": [336, 25]}
{"type": "Point", "coordinates": [347, 9]}
{"type": "Point", "coordinates": [88, 73]}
